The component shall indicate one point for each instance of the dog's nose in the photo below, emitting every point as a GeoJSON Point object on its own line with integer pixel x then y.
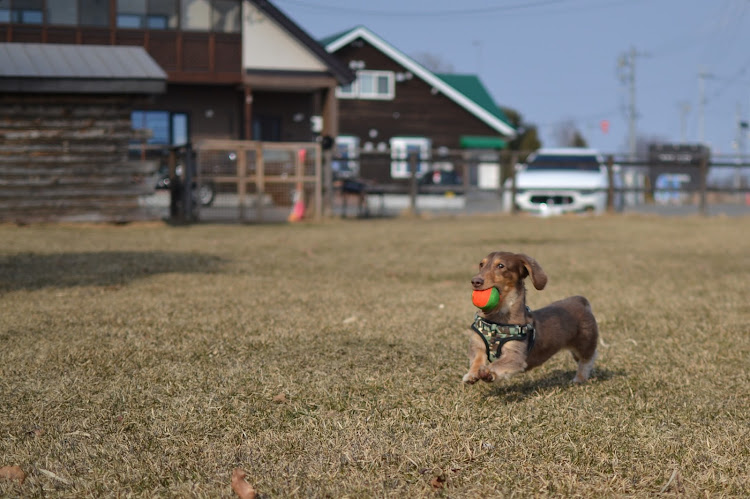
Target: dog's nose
{"type": "Point", "coordinates": [477, 282]}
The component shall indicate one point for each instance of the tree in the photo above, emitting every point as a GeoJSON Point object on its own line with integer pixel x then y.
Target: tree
{"type": "Point", "coordinates": [526, 141]}
{"type": "Point", "coordinates": [566, 134]}
{"type": "Point", "coordinates": [527, 135]}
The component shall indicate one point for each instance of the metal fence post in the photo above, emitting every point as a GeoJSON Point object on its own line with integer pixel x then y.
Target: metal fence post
{"type": "Point", "coordinates": [703, 172]}
{"type": "Point", "coordinates": [323, 208]}
{"type": "Point", "coordinates": [174, 186]}
{"type": "Point", "coordinates": [242, 183]}
{"type": "Point", "coordinates": [610, 184]}
{"type": "Point", "coordinates": [188, 206]}
{"type": "Point", "coordinates": [327, 180]}
{"type": "Point", "coordinates": [413, 165]}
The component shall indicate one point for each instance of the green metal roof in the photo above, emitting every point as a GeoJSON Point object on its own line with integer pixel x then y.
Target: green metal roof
{"type": "Point", "coordinates": [482, 142]}
{"type": "Point", "coordinates": [472, 87]}
{"type": "Point", "coordinates": [331, 38]}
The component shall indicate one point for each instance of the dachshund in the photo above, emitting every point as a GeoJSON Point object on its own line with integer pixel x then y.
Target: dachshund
{"type": "Point", "coordinates": [507, 338]}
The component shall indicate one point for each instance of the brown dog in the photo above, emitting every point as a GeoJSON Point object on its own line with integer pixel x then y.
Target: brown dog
{"type": "Point", "coordinates": [512, 337]}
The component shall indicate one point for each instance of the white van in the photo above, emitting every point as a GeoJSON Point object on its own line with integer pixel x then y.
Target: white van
{"type": "Point", "coordinates": [562, 180]}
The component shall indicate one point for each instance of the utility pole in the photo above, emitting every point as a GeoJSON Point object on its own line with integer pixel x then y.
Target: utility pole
{"type": "Point", "coordinates": [626, 65]}
{"type": "Point", "coordinates": [702, 75]}
{"type": "Point", "coordinates": [739, 141]}
{"type": "Point", "coordinates": [684, 110]}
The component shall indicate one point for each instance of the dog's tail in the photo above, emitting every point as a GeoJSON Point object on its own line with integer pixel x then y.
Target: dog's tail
{"type": "Point", "coordinates": [584, 302]}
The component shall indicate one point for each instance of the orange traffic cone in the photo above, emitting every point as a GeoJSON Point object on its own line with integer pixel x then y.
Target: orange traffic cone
{"type": "Point", "coordinates": [298, 205]}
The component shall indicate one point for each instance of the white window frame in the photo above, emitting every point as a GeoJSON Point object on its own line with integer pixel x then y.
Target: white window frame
{"type": "Point", "coordinates": [349, 144]}
{"type": "Point", "coordinates": [347, 92]}
{"type": "Point", "coordinates": [400, 147]}
{"type": "Point", "coordinates": [355, 91]}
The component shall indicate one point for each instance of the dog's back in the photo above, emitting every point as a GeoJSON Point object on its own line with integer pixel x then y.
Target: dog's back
{"type": "Point", "coordinates": [565, 324]}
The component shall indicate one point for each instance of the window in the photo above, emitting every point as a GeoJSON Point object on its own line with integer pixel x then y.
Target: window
{"type": "Point", "coordinates": [196, 14]}
{"type": "Point", "coordinates": [180, 133]}
{"type": "Point", "coordinates": [130, 13]}
{"type": "Point", "coordinates": [161, 14]}
{"type": "Point", "coordinates": [62, 12]}
{"type": "Point", "coordinates": [401, 148]}
{"type": "Point", "coordinates": [226, 16]}
{"type": "Point", "coordinates": [346, 162]}
{"type": "Point", "coordinates": [151, 14]}
{"type": "Point", "coordinates": [27, 11]}
{"type": "Point", "coordinates": [4, 11]}
{"type": "Point", "coordinates": [377, 85]}
{"type": "Point", "coordinates": [166, 128]}
{"type": "Point", "coordinates": [565, 162]}
{"type": "Point", "coordinates": [347, 91]}
{"type": "Point", "coordinates": [94, 12]}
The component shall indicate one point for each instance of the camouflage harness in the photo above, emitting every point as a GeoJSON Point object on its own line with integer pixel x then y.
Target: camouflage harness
{"type": "Point", "coordinates": [496, 335]}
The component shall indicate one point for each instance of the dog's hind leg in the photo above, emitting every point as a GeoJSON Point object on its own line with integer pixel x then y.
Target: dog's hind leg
{"type": "Point", "coordinates": [584, 368]}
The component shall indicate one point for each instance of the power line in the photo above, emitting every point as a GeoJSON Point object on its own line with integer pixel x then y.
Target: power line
{"type": "Point", "coordinates": [330, 9]}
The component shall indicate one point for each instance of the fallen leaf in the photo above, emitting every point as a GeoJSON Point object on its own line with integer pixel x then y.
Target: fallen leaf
{"type": "Point", "coordinates": [438, 482]}
{"type": "Point", "coordinates": [35, 432]}
{"type": "Point", "coordinates": [280, 398]}
{"type": "Point", "coordinates": [349, 320]}
{"type": "Point", "coordinates": [12, 473]}
{"type": "Point", "coordinates": [240, 487]}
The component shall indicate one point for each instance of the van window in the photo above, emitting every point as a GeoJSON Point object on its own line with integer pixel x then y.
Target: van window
{"type": "Point", "coordinates": [586, 163]}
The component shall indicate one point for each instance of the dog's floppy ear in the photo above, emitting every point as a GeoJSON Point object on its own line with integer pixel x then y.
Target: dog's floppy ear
{"type": "Point", "coordinates": [534, 270]}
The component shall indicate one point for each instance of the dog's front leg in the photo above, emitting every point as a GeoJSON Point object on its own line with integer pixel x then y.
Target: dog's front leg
{"type": "Point", "coordinates": [477, 358]}
{"type": "Point", "coordinates": [511, 362]}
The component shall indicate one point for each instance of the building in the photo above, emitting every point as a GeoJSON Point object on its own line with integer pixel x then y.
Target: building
{"type": "Point", "coordinates": [397, 105]}
{"type": "Point", "coordinates": [65, 131]}
{"type": "Point", "coordinates": [236, 69]}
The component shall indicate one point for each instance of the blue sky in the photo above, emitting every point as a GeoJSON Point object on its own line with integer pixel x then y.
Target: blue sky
{"type": "Point", "coordinates": [556, 61]}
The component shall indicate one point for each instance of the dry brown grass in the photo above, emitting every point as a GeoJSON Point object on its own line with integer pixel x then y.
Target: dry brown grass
{"type": "Point", "coordinates": [326, 361]}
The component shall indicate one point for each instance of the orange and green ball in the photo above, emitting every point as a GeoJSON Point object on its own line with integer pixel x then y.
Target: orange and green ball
{"type": "Point", "coordinates": [486, 299]}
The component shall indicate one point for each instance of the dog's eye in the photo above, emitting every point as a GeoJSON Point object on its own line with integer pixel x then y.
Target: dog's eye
{"type": "Point", "coordinates": [500, 266]}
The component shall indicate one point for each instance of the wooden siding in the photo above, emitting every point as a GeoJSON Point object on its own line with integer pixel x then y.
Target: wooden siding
{"type": "Point", "coordinates": [415, 111]}
{"type": "Point", "coordinates": [65, 158]}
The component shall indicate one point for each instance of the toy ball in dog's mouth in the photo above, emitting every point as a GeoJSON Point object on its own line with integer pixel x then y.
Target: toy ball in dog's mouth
{"type": "Point", "coordinates": [487, 299]}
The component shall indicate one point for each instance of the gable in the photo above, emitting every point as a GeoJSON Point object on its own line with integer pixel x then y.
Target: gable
{"type": "Point", "coordinates": [483, 108]}
{"type": "Point", "coordinates": [268, 46]}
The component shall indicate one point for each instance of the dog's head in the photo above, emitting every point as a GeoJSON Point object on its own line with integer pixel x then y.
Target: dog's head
{"type": "Point", "coordinates": [506, 271]}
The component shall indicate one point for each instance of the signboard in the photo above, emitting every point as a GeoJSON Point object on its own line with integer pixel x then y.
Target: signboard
{"type": "Point", "coordinates": [676, 166]}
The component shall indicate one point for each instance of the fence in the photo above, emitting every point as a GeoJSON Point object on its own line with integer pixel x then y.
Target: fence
{"type": "Point", "coordinates": [487, 182]}
{"type": "Point", "coordinates": [237, 181]}
{"type": "Point", "coordinates": [247, 181]}
{"type": "Point", "coordinates": [260, 181]}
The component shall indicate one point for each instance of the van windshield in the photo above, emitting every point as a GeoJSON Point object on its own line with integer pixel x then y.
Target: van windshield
{"type": "Point", "coordinates": [586, 163]}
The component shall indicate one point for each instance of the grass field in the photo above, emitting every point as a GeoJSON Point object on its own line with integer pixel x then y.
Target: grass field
{"type": "Point", "coordinates": [326, 360]}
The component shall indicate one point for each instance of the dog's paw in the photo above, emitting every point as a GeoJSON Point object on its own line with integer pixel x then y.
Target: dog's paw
{"type": "Point", "coordinates": [486, 375]}
{"type": "Point", "coordinates": [470, 378]}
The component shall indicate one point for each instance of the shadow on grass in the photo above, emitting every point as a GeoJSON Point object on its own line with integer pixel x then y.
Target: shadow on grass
{"type": "Point", "coordinates": [32, 271]}
{"type": "Point", "coordinates": [516, 390]}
